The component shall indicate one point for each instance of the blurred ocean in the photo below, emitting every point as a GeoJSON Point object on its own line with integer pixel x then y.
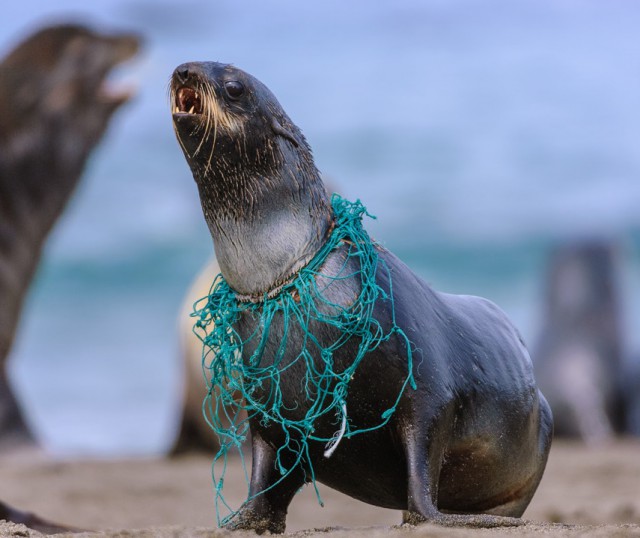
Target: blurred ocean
{"type": "Point", "coordinates": [479, 133]}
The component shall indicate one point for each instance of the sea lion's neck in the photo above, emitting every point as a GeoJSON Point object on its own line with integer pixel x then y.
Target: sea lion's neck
{"type": "Point", "coordinates": [32, 195]}
{"type": "Point", "coordinates": [265, 227]}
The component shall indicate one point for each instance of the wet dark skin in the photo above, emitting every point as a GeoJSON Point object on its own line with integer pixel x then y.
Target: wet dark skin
{"type": "Point", "coordinates": [469, 445]}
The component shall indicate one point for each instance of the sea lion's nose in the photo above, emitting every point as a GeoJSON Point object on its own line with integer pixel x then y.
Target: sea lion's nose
{"type": "Point", "coordinates": [182, 73]}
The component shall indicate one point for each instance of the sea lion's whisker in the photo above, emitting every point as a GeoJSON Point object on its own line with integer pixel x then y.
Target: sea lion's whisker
{"type": "Point", "coordinates": [206, 126]}
{"type": "Point", "coordinates": [179, 137]}
{"type": "Point", "coordinates": [214, 109]}
{"type": "Point", "coordinates": [175, 130]}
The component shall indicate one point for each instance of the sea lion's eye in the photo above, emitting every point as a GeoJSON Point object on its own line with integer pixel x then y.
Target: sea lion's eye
{"type": "Point", "coordinates": [234, 88]}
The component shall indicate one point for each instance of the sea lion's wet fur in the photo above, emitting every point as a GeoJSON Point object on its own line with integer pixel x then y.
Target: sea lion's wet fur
{"type": "Point", "coordinates": [473, 438]}
{"type": "Point", "coordinates": [53, 111]}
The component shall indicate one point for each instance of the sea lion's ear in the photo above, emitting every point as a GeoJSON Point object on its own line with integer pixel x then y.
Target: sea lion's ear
{"type": "Point", "coordinates": [280, 130]}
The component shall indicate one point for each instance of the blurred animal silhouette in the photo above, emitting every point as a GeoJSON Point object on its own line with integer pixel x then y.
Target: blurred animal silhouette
{"type": "Point", "coordinates": [54, 109]}
{"type": "Point", "coordinates": [195, 433]}
{"type": "Point", "coordinates": [579, 358]}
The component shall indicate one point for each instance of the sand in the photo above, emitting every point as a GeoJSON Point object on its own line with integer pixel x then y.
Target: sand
{"type": "Point", "coordinates": [593, 492]}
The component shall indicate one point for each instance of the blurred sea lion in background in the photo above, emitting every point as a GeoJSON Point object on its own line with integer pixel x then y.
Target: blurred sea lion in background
{"type": "Point", "coordinates": [579, 357]}
{"type": "Point", "coordinates": [54, 109]}
{"type": "Point", "coordinates": [194, 433]}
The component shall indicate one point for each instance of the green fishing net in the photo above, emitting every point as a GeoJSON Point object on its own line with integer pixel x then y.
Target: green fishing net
{"type": "Point", "coordinates": [234, 380]}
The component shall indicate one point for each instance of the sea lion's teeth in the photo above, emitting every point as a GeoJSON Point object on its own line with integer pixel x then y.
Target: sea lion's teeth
{"type": "Point", "coordinates": [191, 110]}
{"type": "Point", "coordinates": [177, 110]}
{"type": "Point", "coordinates": [197, 96]}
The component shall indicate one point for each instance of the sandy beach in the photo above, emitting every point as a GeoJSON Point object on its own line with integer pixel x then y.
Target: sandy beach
{"type": "Point", "coordinates": [585, 492]}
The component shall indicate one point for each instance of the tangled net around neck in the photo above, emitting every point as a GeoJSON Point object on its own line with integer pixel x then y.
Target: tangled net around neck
{"type": "Point", "coordinates": [236, 383]}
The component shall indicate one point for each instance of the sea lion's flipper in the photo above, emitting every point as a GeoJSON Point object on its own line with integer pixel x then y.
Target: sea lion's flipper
{"type": "Point", "coordinates": [270, 493]}
{"type": "Point", "coordinates": [479, 521]}
{"type": "Point", "coordinates": [33, 521]}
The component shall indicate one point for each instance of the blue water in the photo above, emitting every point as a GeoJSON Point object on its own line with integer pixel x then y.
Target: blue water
{"type": "Point", "coordinates": [480, 133]}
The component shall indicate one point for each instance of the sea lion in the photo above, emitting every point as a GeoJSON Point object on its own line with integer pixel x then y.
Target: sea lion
{"type": "Point", "coordinates": [54, 109]}
{"type": "Point", "coordinates": [468, 445]}
{"type": "Point", "coordinates": [578, 358]}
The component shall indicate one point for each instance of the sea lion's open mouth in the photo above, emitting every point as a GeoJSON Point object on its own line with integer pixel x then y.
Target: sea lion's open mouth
{"type": "Point", "coordinates": [127, 46]}
{"type": "Point", "coordinates": [188, 101]}
{"type": "Point", "coordinates": [114, 92]}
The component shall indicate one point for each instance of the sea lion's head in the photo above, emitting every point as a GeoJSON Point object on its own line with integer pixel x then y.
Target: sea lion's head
{"type": "Point", "coordinates": [235, 135]}
{"type": "Point", "coordinates": [261, 194]}
{"type": "Point", "coordinates": [54, 108]}
{"type": "Point", "coordinates": [58, 75]}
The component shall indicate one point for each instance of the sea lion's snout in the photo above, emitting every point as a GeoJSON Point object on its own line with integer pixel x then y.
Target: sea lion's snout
{"type": "Point", "coordinates": [126, 46]}
{"type": "Point", "coordinates": [187, 87]}
{"type": "Point", "coordinates": [186, 90]}
{"type": "Point", "coordinates": [181, 74]}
